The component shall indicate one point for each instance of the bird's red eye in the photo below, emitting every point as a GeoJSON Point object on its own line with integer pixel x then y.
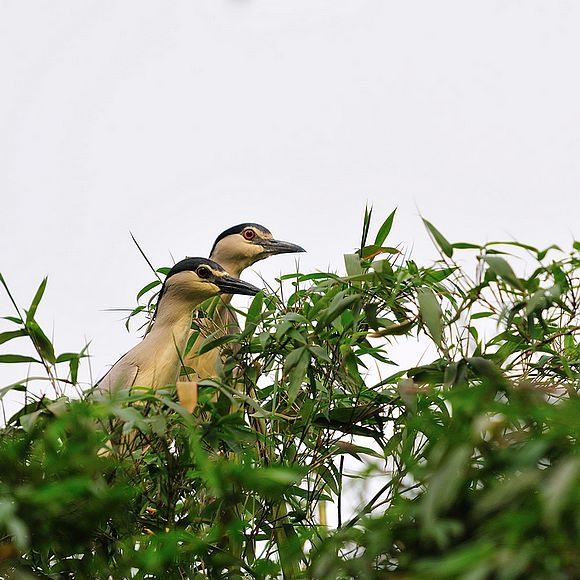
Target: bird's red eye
{"type": "Point", "coordinates": [203, 272]}
{"type": "Point", "coordinates": [249, 234]}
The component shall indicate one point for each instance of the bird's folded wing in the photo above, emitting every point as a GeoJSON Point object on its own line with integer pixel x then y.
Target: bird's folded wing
{"type": "Point", "coordinates": [122, 375]}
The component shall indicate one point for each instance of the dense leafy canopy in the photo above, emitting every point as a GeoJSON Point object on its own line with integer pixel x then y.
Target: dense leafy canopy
{"type": "Point", "coordinates": [477, 450]}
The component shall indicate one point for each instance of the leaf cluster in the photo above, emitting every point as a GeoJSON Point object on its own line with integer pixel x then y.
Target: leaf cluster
{"type": "Point", "coordinates": [476, 448]}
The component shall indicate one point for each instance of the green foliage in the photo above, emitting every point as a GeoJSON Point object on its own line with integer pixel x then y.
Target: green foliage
{"type": "Point", "coordinates": [477, 449]}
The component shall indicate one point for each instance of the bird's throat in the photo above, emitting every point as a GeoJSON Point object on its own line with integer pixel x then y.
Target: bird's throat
{"type": "Point", "coordinates": [173, 318]}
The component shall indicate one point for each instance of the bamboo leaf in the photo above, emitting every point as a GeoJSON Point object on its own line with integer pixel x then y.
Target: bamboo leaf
{"type": "Point", "coordinates": [465, 246]}
{"type": "Point", "coordinates": [563, 478]}
{"type": "Point", "coordinates": [27, 421]}
{"type": "Point", "coordinates": [354, 450]}
{"type": "Point", "coordinates": [338, 305]}
{"type": "Point", "coordinates": [392, 329]}
{"type": "Point", "coordinates": [328, 477]}
{"type": "Point", "coordinates": [41, 341]}
{"type": "Point", "coordinates": [296, 365]}
{"type": "Point", "coordinates": [214, 340]}
{"type": "Point", "coordinates": [366, 225]}
{"type": "Point", "coordinates": [501, 268]}
{"type": "Point", "coordinates": [320, 353]}
{"type": "Point", "coordinates": [352, 265]}
{"type": "Point", "coordinates": [74, 369]}
{"type": "Point", "coordinates": [6, 336]}
{"type": "Point", "coordinates": [431, 313]}
{"type": "Point", "coordinates": [17, 358]}
{"type": "Point", "coordinates": [385, 229]}
{"type": "Point", "coordinates": [148, 287]}
{"type": "Point", "coordinates": [14, 319]}
{"type": "Point", "coordinates": [370, 252]}
{"type": "Point", "coordinates": [254, 314]}
{"type": "Point", "coordinates": [36, 300]}
{"type": "Point", "coordinates": [439, 238]}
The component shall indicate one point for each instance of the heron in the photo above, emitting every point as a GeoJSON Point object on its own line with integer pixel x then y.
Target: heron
{"type": "Point", "coordinates": [156, 361]}
{"type": "Point", "coordinates": [235, 249]}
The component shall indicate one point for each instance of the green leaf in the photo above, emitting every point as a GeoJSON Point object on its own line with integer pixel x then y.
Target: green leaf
{"type": "Point", "coordinates": [537, 302]}
{"type": "Point", "coordinates": [254, 314]}
{"type": "Point", "coordinates": [370, 252]}
{"type": "Point", "coordinates": [295, 366]}
{"type": "Point", "coordinates": [438, 275]}
{"type": "Point", "coordinates": [296, 336]}
{"type": "Point", "coordinates": [501, 268]}
{"type": "Point", "coordinates": [36, 300]}
{"type": "Point", "coordinates": [354, 450]}
{"type": "Point", "coordinates": [366, 225]}
{"type": "Point", "coordinates": [542, 254]}
{"type": "Point", "coordinates": [338, 305]}
{"type": "Point", "coordinates": [385, 229]}
{"type": "Point", "coordinates": [328, 477]}
{"type": "Point", "coordinates": [15, 527]}
{"type": "Point", "coordinates": [431, 313]}
{"type": "Point", "coordinates": [27, 421]}
{"type": "Point", "coordinates": [6, 336]}
{"type": "Point", "coordinates": [441, 241]}
{"type": "Point", "coordinates": [293, 358]}
{"type": "Point", "coordinates": [564, 477]}
{"type": "Point", "coordinates": [41, 341]}
{"type": "Point", "coordinates": [271, 479]}
{"type": "Point", "coordinates": [131, 418]}
{"type": "Point", "coordinates": [295, 317]}
{"type": "Point", "coordinates": [508, 490]}
{"type": "Point", "coordinates": [265, 568]}
{"type": "Point", "coordinates": [13, 387]}
{"type": "Point", "coordinates": [473, 561]}
{"type": "Point", "coordinates": [74, 369]}
{"type": "Point", "coordinates": [390, 328]}
{"type": "Point", "coordinates": [353, 414]}
{"type": "Point", "coordinates": [67, 356]}
{"type": "Point", "coordinates": [481, 315]}
{"type": "Point", "coordinates": [14, 319]}
{"type": "Point", "coordinates": [148, 287]}
{"type": "Point", "coordinates": [320, 353]}
{"type": "Point", "coordinates": [515, 245]}
{"type": "Point", "coordinates": [445, 484]}
{"type": "Point", "coordinates": [560, 278]}
{"type": "Point", "coordinates": [133, 312]}
{"type": "Point", "coordinates": [465, 246]}
{"type": "Point", "coordinates": [214, 340]}
{"type": "Point", "coordinates": [17, 358]}
{"type": "Point", "coordinates": [352, 264]}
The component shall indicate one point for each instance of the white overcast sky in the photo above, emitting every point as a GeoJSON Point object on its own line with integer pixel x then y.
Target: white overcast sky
{"type": "Point", "coordinates": [175, 120]}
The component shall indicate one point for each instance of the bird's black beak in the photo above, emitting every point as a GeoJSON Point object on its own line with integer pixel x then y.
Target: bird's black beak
{"type": "Point", "coordinates": [279, 247]}
{"type": "Point", "coordinates": [230, 285]}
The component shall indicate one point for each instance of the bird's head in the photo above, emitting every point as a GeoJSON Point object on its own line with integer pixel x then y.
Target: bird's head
{"type": "Point", "coordinates": [241, 246]}
{"type": "Point", "coordinates": [197, 279]}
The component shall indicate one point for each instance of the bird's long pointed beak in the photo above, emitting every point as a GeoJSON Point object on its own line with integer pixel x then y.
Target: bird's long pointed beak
{"type": "Point", "coordinates": [280, 247]}
{"type": "Point", "coordinates": [231, 285]}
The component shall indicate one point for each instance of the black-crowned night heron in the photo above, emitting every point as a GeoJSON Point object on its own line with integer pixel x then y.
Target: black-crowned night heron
{"type": "Point", "coordinates": [235, 249]}
{"type": "Point", "coordinates": [156, 361]}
